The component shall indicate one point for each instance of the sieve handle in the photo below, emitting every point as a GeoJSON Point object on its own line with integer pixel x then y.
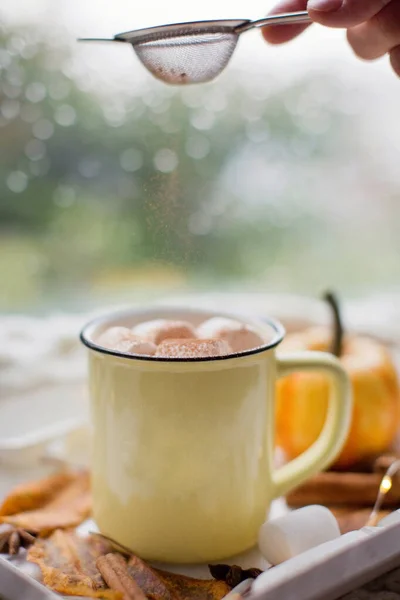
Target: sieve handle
{"type": "Point", "coordinates": [100, 40]}
{"type": "Point", "coordinates": [282, 19]}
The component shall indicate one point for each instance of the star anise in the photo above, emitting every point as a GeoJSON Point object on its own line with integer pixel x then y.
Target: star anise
{"type": "Point", "coordinates": [232, 574]}
{"type": "Point", "coordinates": [13, 538]}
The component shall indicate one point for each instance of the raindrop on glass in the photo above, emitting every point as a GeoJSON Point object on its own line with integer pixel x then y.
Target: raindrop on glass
{"type": "Point", "coordinates": [35, 92]}
{"type": "Point", "coordinates": [65, 115]}
{"type": "Point", "coordinates": [10, 109]}
{"type": "Point", "coordinates": [203, 120]}
{"type": "Point", "coordinates": [17, 181]}
{"type": "Point", "coordinates": [35, 150]}
{"type": "Point", "coordinates": [165, 160]}
{"type": "Point", "coordinates": [115, 115]}
{"type": "Point", "coordinates": [43, 129]}
{"type": "Point", "coordinates": [64, 196]}
{"type": "Point", "coordinates": [131, 160]}
{"type": "Point", "coordinates": [197, 146]}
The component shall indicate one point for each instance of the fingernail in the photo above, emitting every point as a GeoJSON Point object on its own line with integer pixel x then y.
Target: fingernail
{"type": "Point", "coordinates": [324, 5]}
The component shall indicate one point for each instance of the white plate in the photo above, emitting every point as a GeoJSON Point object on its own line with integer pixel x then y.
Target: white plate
{"type": "Point", "coordinates": [16, 585]}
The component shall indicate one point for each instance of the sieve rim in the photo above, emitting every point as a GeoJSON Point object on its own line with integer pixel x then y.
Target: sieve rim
{"type": "Point", "coordinates": [148, 34]}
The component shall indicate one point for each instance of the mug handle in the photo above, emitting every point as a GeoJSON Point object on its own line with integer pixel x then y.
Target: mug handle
{"type": "Point", "coordinates": [337, 424]}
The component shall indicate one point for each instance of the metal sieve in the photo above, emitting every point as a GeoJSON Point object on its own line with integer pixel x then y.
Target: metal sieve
{"type": "Point", "coordinates": [193, 52]}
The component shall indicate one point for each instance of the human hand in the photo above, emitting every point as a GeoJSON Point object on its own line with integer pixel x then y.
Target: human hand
{"type": "Point", "coordinates": [373, 26]}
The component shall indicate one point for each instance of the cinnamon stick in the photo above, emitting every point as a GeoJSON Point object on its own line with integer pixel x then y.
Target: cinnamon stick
{"type": "Point", "coordinates": [343, 489]}
{"type": "Point", "coordinates": [114, 570]}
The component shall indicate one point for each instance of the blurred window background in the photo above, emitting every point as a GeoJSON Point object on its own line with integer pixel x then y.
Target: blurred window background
{"type": "Point", "coordinates": [281, 175]}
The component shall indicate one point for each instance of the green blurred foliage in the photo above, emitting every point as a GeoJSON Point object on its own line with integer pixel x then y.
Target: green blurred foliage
{"type": "Point", "coordinates": [98, 197]}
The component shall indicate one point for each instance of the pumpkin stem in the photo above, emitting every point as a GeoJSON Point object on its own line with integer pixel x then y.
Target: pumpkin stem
{"type": "Point", "coordinates": [337, 340]}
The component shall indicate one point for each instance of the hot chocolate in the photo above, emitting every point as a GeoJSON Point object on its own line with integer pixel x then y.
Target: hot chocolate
{"type": "Point", "coordinates": [217, 336]}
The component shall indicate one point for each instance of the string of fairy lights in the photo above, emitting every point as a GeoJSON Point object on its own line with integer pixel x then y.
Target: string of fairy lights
{"type": "Point", "coordinates": [384, 488]}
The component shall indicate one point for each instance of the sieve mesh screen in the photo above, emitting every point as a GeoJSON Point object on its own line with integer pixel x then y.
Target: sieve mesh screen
{"type": "Point", "coordinates": [190, 58]}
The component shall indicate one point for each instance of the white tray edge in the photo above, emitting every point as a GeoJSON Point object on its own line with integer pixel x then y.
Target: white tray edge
{"type": "Point", "coordinates": [331, 570]}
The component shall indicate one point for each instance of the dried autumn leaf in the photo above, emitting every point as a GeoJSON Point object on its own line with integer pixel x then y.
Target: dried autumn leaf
{"type": "Point", "coordinates": [68, 564]}
{"type": "Point", "coordinates": [66, 503]}
{"type": "Point", "coordinates": [184, 587]}
{"type": "Point", "coordinates": [35, 494]}
{"type": "Point", "coordinates": [161, 585]}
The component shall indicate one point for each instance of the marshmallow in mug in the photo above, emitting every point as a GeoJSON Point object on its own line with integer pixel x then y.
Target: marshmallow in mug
{"type": "Point", "coordinates": [292, 534]}
{"type": "Point", "coordinates": [113, 336]}
{"type": "Point", "coordinates": [239, 336]}
{"type": "Point", "coordinates": [193, 348]}
{"type": "Point", "coordinates": [158, 330]}
{"type": "Point", "coordinates": [136, 346]}
{"type": "Point", "coordinates": [122, 339]}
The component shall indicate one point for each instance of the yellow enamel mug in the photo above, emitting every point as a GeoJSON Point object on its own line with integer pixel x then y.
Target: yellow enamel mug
{"type": "Point", "coordinates": [183, 468]}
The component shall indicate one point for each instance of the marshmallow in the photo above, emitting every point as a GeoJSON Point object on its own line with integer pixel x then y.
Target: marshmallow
{"type": "Point", "coordinates": [136, 346]}
{"type": "Point", "coordinates": [162, 329]}
{"type": "Point", "coordinates": [114, 335]}
{"type": "Point", "coordinates": [122, 339]}
{"type": "Point", "coordinates": [238, 335]}
{"type": "Point", "coordinates": [296, 532]}
{"type": "Point", "coordinates": [193, 348]}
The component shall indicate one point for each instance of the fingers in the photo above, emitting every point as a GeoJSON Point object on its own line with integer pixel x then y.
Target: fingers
{"type": "Point", "coordinates": [333, 13]}
{"type": "Point", "coordinates": [279, 34]}
{"type": "Point", "coordinates": [379, 35]}
{"type": "Point", "coordinates": [395, 59]}
{"type": "Point", "coordinates": [344, 13]}
{"type": "Point", "coordinates": [373, 26]}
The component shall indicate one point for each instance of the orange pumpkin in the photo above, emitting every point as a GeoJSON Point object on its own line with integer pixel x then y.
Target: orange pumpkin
{"type": "Point", "coordinates": [302, 399]}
